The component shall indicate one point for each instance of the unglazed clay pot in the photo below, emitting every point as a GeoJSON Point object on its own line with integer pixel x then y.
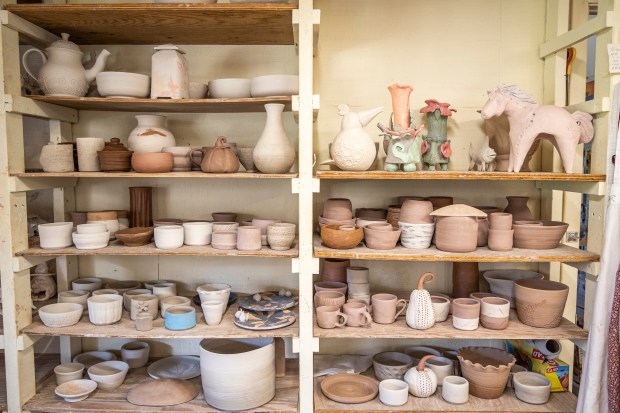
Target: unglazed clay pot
{"type": "Point", "coordinates": [274, 153]}
{"type": "Point", "coordinates": [341, 237]}
{"type": "Point", "coordinates": [224, 240]}
{"type": "Point", "coordinates": [281, 236]}
{"type": "Point", "coordinates": [391, 365]}
{"type": "Point", "coordinates": [416, 236]}
{"type": "Point", "coordinates": [540, 237]}
{"type": "Point", "coordinates": [465, 313]}
{"type": "Point", "coordinates": [381, 240]}
{"type": "Point", "coordinates": [371, 213]}
{"type": "Point", "coordinates": [494, 313]}
{"type": "Point", "coordinates": [500, 221]}
{"type": "Point", "coordinates": [500, 239]}
{"type": "Point", "coordinates": [224, 216]}
{"type": "Point", "coordinates": [335, 269]}
{"type": "Point", "coordinates": [87, 153]}
{"type": "Point", "coordinates": [517, 206]}
{"type": "Point", "coordinates": [56, 235]}
{"type": "Point", "coordinates": [487, 369]}
{"type": "Point", "coordinates": [465, 279]}
{"type": "Point", "coordinates": [416, 212]}
{"type": "Point", "coordinates": [532, 388]}
{"type": "Point", "coordinates": [150, 135]}
{"type": "Point", "coordinates": [220, 159]}
{"type": "Point", "coordinates": [540, 303]}
{"type": "Point", "coordinates": [181, 159]}
{"type": "Point", "coordinates": [338, 209]}
{"type": "Point", "coordinates": [456, 234]}
{"type": "Point", "coordinates": [393, 215]}
{"type": "Point", "coordinates": [455, 390]}
{"type": "Point", "coordinates": [248, 238]}
{"type": "Point", "coordinates": [158, 162]}
{"type": "Point", "coordinates": [333, 298]}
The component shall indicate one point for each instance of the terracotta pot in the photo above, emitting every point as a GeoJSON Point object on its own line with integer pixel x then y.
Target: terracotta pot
{"type": "Point", "coordinates": [156, 162]}
{"type": "Point", "coordinates": [341, 237]}
{"type": "Point", "coordinates": [500, 221]}
{"type": "Point", "coordinates": [393, 215]}
{"type": "Point", "coordinates": [456, 234]}
{"type": "Point", "coordinates": [335, 269]}
{"type": "Point", "coordinates": [141, 206]}
{"type": "Point", "coordinates": [332, 298]}
{"type": "Point", "coordinates": [331, 286]}
{"type": "Point", "coordinates": [338, 208]}
{"type": "Point", "coordinates": [500, 239]}
{"type": "Point", "coordinates": [494, 313]}
{"type": "Point", "coordinates": [483, 232]}
{"type": "Point", "coordinates": [465, 313]}
{"type": "Point", "coordinates": [487, 370]}
{"type": "Point", "coordinates": [465, 279]}
{"type": "Point", "coordinates": [325, 221]}
{"type": "Point", "coordinates": [220, 159]}
{"type": "Point", "coordinates": [517, 206]}
{"type": "Point", "coordinates": [540, 303]}
{"type": "Point", "coordinates": [416, 212]}
{"type": "Point", "coordinates": [440, 201]}
{"type": "Point", "coordinates": [539, 237]}
{"type": "Point", "coordinates": [381, 240]}
{"type": "Point", "coordinates": [371, 213]}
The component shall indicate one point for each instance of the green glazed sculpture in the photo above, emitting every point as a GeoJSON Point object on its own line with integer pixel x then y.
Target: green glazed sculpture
{"type": "Point", "coordinates": [436, 147]}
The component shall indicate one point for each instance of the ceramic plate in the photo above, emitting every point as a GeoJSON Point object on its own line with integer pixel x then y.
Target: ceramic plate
{"type": "Point", "coordinates": [270, 301]}
{"type": "Point", "coordinates": [349, 388]}
{"type": "Point", "coordinates": [267, 320]}
{"type": "Point", "coordinates": [175, 367]}
{"type": "Point", "coordinates": [231, 299]}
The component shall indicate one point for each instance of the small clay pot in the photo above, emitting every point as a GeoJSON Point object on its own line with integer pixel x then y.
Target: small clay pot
{"type": "Point", "coordinates": [465, 313]}
{"type": "Point", "coordinates": [380, 239]}
{"type": "Point", "coordinates": [224, 240]}
{"type": "Point", "coordinates": [360, 222]}
{"type": "Point", "coordinates": [404, 198]}
{"type": "Point", "coordinates": [341, 237]}
{"type": "Point", "coordinates": [248, 239]}
{"type": "Point", "coordinates": [500, 220]}
{"type": "Point", "coordinates": [224, 216]}
{"type": "Point", "coordinates": [501, 239]}
{"type": "Point", "coordinates": [152, 162]}
{"type": "Point", "coordinates": [416, 212]}
{"type": "Point", "coordinates": [335, 269]}
{"type": "Point", "coordinates": [540, 303]}
{"type": "Point", "coordinates": [114, 157]}
{"type": "Point", "coordinates": [517, 206]}
{"type": "Point", "coordinates": [494, 313]}
{"type": "Point", "coordinates": [441, 308]}
{"type": "Point", "coordinates": [338, 208]}
{"type": "Point", "coordinates": [333, 298]}
{"type": "Point", "coordinates": [357, 275]}
{"type": "Point", "coordinates": [102, 216]}
{"type": "Point", "coordinates": [281, 236]}
{"type": "Point", "coordinates": [371, 213]}
{"type": "Point", "coordinates": [456, 234]}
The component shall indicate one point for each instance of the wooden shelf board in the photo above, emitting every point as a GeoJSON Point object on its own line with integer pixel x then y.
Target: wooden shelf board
{"type": "Point", "coordinates": [107, 401]}
{"type": "Point", "coordinates": [166, 105]}
{"type": "Point", "coordinates": [116, 248]}
{"type": "Point", "coordinates": [131, 24]}
{"type": "Point", "coordinates": [462, 175]}
{"type": "Point", "coordinates": [169, 175]}
{"type": "Point", "coordinates": [126, 329]}
{"type": "Point", "coordinates": [562, 253]}
{"type": "Point", "coordinates": [444, 330]}
{"type": "Point", "coordinates": [558, 403]}
{"type": "Point", "coordinates": [44, 368]}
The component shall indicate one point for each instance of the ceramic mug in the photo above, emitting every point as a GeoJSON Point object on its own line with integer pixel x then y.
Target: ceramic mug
{"type": "Point", "coordinates": [386, 308]}
{"type": "Point", "coordinates": [441, 308]}
{"type": "Point", "coordinates": [180, 318]}
{"type": "Point", "coordinates": [455, 389]}
{"type": "Point", "coordinates": [197, 233]}
{"type": "Point", "coordinates": [213, 312]}
{"type": "Point", "coordinates": [358, 315]}
{"type": "Point", "coordinates": [329, 316]}
{"type": "Point", "coordinates": [135, 354]}
{"type": "Point", "coordinates": [393, 392]}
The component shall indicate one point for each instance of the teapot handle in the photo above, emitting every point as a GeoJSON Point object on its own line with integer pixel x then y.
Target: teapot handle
{"type": "Point", "coordinates": [191, 158]}
{"type": "Point", "coordinates": [25, 60]}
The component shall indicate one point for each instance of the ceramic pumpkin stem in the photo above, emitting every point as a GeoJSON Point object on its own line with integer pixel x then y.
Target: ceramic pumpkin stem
{"type": "Point", "coordinates": [425, 278]}
{"type": "Point", "coordinates": [421, 365]}
{"type": "Point", "coordinates": [221, 140]}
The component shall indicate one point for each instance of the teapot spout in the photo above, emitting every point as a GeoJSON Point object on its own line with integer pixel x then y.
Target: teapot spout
{"type": "Point", "coordinates": [329, 162]}
{"type": "Point", "coordinates": [98, 67]}
{"type": "Point", "coordinates": [367, 116]}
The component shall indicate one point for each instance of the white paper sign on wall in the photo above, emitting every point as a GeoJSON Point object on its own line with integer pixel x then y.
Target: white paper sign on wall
{"type": "Point", "coordinates": [613, 50]}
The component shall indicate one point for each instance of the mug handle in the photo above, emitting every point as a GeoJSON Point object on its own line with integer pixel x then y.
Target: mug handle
{"type": "Point", "coordinates": [343, 317]}
{"type": "Point", "coordinates": [190, 156]}
{"type": "Point", "coordinates": [367, 319]}
{"type": "Point", "coordinates": [404, 306]}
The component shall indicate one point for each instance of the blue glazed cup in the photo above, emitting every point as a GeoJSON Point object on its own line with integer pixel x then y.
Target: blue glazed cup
{"type": "Point", "coordinates": [180, 317]}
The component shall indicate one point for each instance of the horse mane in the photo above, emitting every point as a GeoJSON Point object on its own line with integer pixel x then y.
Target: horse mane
{"type": "Point", "coordinates": [515, 92]}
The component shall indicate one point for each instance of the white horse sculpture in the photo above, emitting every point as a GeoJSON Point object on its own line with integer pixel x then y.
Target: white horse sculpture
{"type": "Point", "coordinates": [530, 121]}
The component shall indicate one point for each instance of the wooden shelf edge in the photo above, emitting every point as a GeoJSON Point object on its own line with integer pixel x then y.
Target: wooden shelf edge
{"type": "Point", "coordinates": [102, 7]}
{"type": "Point", "coordinates": [169, 175]}
{"type": "Point", "coordinates": [461, 175]}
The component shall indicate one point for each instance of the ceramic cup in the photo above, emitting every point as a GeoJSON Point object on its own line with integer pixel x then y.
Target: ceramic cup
{"type": "Point", "coordinates": [180, 157]}
{"type": "Point", "coordinates": [386, 308]}
{"type": "Point", "coordinates": [358, 275]}
{"type": "Point", "coordinates": [330, 317]}
{"type": "Point", "coordinates": [224, 240]}
{"type": "Point", "coordinates": [213, 312]}
{"type": "Point", "coordinates": [494, 313]}
{"type": "Point", "coordinates": [329, 298]}
{"type": "Point", "coordinates": [358, 315]}
{"type": "Point", "coordinates": [442, 366]}
{"type": "Point", "coordinates": [500, 221]}
{"type": "Point", "coordinates": [197, 233]}
{"type": "Point", "coordinates": [87, 148]}
{"type": "Point", "coordinates": [441, 308]}
{"type": "Point", "coordinates": [74, 296]}
{"type": "Point", "coordinates": [173, 301]}
{"type": "Point", "coordinates": [68, 372]}
{"type": "Point", "coordinates": [465, 313]}
{"type": "Point", "coordinates": [135, 354]}
{"type": "Point", "coordinates": [180, 318]}
{"type": "Point", "coordinates": [393, 392]}
{"type": "Point", "coordinates": [501, 239]}
{"type": "Point", "coordinates": [105, 309]}
{"type": "Point", "coordinates": [55, 235]}
{"type": "Point", "coordinates": [455, 390]}
{"type": "Point", "coordinates": [144, 304]}
{"type": "Point", "coordinates": [169, 237]}
{"type": "Point", "coordinates": [249, 238]}
{"type": "Point", "coordinates": [281, 236]}
{"type": "Point", "coordinates": [163, 290]}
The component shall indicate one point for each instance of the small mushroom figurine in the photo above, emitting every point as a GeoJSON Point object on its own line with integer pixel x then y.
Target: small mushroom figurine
{"type": "Point", "coordinates": [422, 381]}
{"type": "Point", "coordinates": [420, 313]}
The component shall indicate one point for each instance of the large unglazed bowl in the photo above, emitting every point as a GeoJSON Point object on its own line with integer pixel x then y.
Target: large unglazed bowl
{"type": "Point", "coordinates": [540, 303]}
{"type": "Point", "coordinates": [61, 314]}
{"type": "Point", "coordinates": [274, 85]}
{"type": "Point", "coordinates": [123, 85]}
{"type": "Point", "coordinates": [108, 374]}
{"type": "Point", "coordinates": [487, 369]}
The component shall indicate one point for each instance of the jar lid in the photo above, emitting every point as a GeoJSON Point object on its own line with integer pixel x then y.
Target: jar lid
{"type": "Point", "coordinates": [114, 145]}
{"type": "Point", "coordinates": [65, 43]}
{"type": "Point", "coordinates": [458, 210]}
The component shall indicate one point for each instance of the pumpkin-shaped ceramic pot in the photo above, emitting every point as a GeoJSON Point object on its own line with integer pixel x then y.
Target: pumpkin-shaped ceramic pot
{"type": "Point", "coordinates": [220, 160]}
{"type": "Point", "coordinates": [422, 381]}
{"type": "Point", "coordinates": [420, 313]}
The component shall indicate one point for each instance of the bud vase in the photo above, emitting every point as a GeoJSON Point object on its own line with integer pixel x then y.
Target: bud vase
{"type": "Point", "coordinates": [274, 153]}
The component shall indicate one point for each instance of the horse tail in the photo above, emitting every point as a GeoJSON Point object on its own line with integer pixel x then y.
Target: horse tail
{"type": "Point", "coordinates": [584, 120]}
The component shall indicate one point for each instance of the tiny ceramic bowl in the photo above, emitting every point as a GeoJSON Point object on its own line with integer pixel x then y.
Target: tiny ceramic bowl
{"type": "Point", "coordinates": [68, 371]}
{"type": "Point", "coordinates": [173, 301]}
{"type": "Point", "coordinates": [331, 286]}
{"type": "Point", "coordinates": [169, 237]}
{"type": "Point", "coordinates": [391, 365]}
{"type": "Point", "coordinates": [229, 88]}
{"type": "Point", "coordinates": [74, 296]}
{"type": "Point", "coordinates": [91, 241]}
{"type": "Point", "coordinates": [91, 228]}
{"type": "Point", "coordinates": [274, 85]}
{"type": "Point", "coordinates": [197, 90]}
{"type": "Point", "coordinates": [61, 314]}
{"type": "Point", "coordinates": [108, 374]}
{"type": "Point", "coordinates": [87, 284]}
{"type": "Point", "coordinates": [341, 237]}
{"type": "Point", "coordinates": [532, 388]}
{"type": "Point", "coordinates": [135, 237]}
{"type": "Point", "coordinates": [152, 162]}
{"type": "Point", "coordinates": [123, 85]}
{"type": "Point", "coordinates": [76, 390]}
{"type": "Point", "coordinates": [224, 216]}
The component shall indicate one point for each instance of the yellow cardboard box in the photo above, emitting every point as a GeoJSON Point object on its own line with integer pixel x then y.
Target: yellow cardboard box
{"type": "Point", "coordinates": [530, 357]}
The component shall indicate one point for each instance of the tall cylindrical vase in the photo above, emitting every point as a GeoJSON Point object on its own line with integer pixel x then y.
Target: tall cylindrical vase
{"type": "Point", "coordinates": [465, 279]}
{"type": "Point", "coordinates": [274, 153]}
{"type": "Point", "coordinates": [517, 206]}
{"type": "Point", "coordinates": [141, 206]}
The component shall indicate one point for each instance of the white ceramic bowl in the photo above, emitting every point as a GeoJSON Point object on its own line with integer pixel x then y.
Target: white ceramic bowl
{"type": "Point", "coordinates": [197, 90]}
{"type": "Point", "coordinates": [75, 297]}
{"type": "Point", "coordinates": [91, 241]}
{"type": "Point", "coordinates": [90, 358]}
{"type": "Point", "coordinates": [55, 235]}
{"type": "Point", "coordinates": [68, 371]}
{"type": "Point", "coordinates": [61, 314]}
{"type": "Point", "coordinates": [105, 309]}
{"type": "Point", "coordinates": [89, 284]}
{"type": "Point", "coordinates": [112, 224]}
{"type": "Point", "coordinates": [76, 390]}
{"type": "Point", "coordinates": [109, 374]}
{"type": "Point", "coordinates": [91, 228]}
{"type": "Point", "coordinates": [274, 85]}
{"type": "Point", "coordinates": [123, 85]}
{"type": "Point", "coordinates": [169, 237]}
{"type": "Point", "coordinates": [229, 88]}
{"type": "Point", "coordinates": [393, 392]}
{"type": "Point", "coordinates": [531, 387]}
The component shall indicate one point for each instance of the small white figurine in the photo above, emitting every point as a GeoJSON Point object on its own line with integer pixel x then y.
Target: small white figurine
{"type": "Point", "coordinates": [483, 158]}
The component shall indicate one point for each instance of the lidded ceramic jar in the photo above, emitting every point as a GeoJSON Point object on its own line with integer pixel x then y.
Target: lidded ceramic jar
{"type": "Point", "coordinates": [150, 135]}
{"type": "Point", "coordinates": [169, 73]}
{"type": "Point", "coordinates": [115, 157]}
{"type": "Point", "coordinates": [456, 228]}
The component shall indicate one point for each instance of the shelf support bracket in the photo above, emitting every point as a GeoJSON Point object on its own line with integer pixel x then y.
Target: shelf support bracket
{"type": "Point", "coordinates": [25, 263]}
{"type": "Point", "coordinates": [296, 185]}
{"type": "Point", "coordinates": [590, 268]}
{"type": "Point", "coordinates": [582, 344]}
{"type": "Point", "coordinates": [297, 345]}
{"type": "Point", "coordinates": [29, 107]}
{"type": "Point", "coordinates": [590, 188]}
{"type": "Point", "coordinates": [316, 21]}
{"type": "Point", "coordinates": [34, 184]}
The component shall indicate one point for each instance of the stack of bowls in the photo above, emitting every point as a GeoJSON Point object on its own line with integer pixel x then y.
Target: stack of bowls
{"type": "Point", "coordinates": [381, 236]}
{"type": "Point", "coordinates": [358, 283]}
{"type": "Point", "coordinates": [337, 211]}
{"type": "Point", "coordinates": [416, 224]}
{"type": "Point", "coordinates": [500, 231]}
{"type": "Point", "coordinates": [91, 236]}
{"type": "Point", "coordinates": [55, 235]}
{"type": "Point", "coordinates": [109, 218]}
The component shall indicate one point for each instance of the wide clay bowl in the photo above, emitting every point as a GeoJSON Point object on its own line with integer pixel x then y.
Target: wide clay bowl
{"type": "Point", "coordinates": [337, 237]}
{"type": "Point", "coordinates": [539, 237]}
{"type": "Point", "coordinates": [502, 282]}
{"type": "Point", "coordinates": [152, 162]}
{"type": "Point", "coordinates": [381, 240]}
{"type": "Point", "coordinates": [391, 365]}
{"type": "Point", "coordinates": [61, 314]}
{"type": "Point", "coordinates": [123, 84]}
{"type": "Point", "coordinates": [540, 303]}
{"type": "Point", "coordinates": [487, 369]}
{"type": "Point", "coordinates": [135, 237]}
{"type": "Point", "coordinates": [108, 374]}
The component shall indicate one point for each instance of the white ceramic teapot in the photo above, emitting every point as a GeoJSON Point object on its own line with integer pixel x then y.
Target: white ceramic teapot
{"type": "Point", "coordinates": [62, 73]}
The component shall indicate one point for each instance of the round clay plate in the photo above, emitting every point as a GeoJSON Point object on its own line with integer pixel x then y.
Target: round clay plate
{"type": "Point", "coordinates": [349, 388]}
{"type": "Point", "coordinates": [270, 301]}
{"type": "Point", "coordinates": [175, 367]}
{"type": "Point", "coordinates": [267, 320]}
{"type": "Point", "coordinates": [164, 392]}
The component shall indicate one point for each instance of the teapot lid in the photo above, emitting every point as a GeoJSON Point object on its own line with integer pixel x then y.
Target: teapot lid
{"type": "Point", "coordinates": [114, 145]}
{"type": "Point", "coordinates": [169, 46]}
{"type": "Point", "coordinates": [65, 43]}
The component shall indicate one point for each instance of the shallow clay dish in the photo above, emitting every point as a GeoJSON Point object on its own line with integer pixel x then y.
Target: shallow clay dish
{"type": "Point", "coordinates": [267, 320]}
{"type": "Point", "coordinates": [540, 303]}
{"type": "Point", "coordinates": [135, 237]}
{"type": "Point", "coordinates": [76, 390]}
{"type": "Point", "coordinates": [270, 301]}
{"type": "Point", "coordinates": [539, 237]}
{"type": "Point", "coordinates": [152, 162]}
{"type": "Point", "coordinates": [164, 392]}
{"type": "Point", "coordinates": [175, 367]}
{"type": "Point", "coordinates": [487, 369]}
{"type": "Point", "coordinates": [349, 388]}
{"type": "Point", "coordinates": [335, 237]}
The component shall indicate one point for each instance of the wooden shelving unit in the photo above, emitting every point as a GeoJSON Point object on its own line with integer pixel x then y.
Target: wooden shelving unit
{"type": "Point", "coordinates": [169, 175]}
{"type": "Point", "coordinates": [104, 401]}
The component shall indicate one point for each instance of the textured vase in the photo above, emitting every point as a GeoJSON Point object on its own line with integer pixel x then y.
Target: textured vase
{"type": "Point", "coordinates": [141, 206]}
{"type": "Point", "coordinates": [274, 153]}
{"type": "Point", "coordinates": [465, 279]}
{"type": "Point", "coordinates": [150, 135]}
{"type": "Point", "coordinates": [517, 206]}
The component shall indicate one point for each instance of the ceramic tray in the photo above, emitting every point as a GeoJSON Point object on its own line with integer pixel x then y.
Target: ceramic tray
{"type": "Point", "coordinates": [175, 367]}
{"type": "Point", "coordinates": [270, 301]}
{"type": "Point", "coordinates": [349, 388]}
{"type": "Point", "coordinates": [267, 320]}
{"type": "Point", "coordinates": [231, 299]}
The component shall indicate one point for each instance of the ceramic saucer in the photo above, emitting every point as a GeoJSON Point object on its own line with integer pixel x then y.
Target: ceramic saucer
{"type": "Point", "coordinates": [175, 367]}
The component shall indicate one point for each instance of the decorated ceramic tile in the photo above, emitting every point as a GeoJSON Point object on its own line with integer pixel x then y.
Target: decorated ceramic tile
{"type": "Point", "coordinates": [268, 301]}
{"type": "Point", "coordinates": [264, 320]}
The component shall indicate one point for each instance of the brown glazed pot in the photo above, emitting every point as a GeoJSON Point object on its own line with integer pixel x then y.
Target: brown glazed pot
{"type": "Point", "coordinates": [440, 201]}
{"type": "Point", "coordinates": [456, 234]}
{"type": "Point", "coordinates": [141, 206]}
{"type": "Point", "coordinates": [500, 239]}
{"type": "Point", "coordinates": [335, 269]}
{"type": "Point", "coordinates": [335, 236]}
{"type": "Point", "coordinates": [539, 237]}
{"type": "Point", "coordinates": [379, 239]}
{"type": "Point", "coordinates": [540, 303]}
{"type": "Point", "coordinates": [517, 206]}
{"type": "Point", "coordinates": [416, 212]}
{"type": "Point", "coordinates": [465, 279]}
{"type": "Point", "coordinates": [487, 369]}
{"type": "Point", "coordinates": [114, 157]}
